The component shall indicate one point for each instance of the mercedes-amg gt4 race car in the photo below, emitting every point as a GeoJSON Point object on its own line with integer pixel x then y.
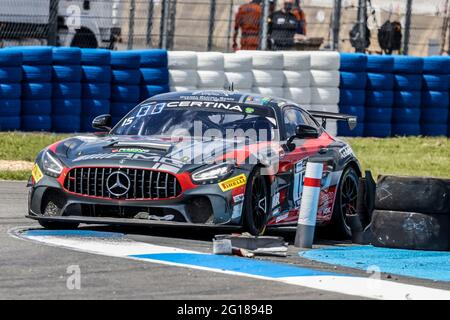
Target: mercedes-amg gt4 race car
{"type": "Point", "coordinates": [201, 158]}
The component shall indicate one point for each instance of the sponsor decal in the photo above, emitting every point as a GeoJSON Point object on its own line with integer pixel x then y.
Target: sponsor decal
{"type": "Point", "coordinates": [205, 104]}
{"type": "Point", "coordinates": [282, 217]}
{"type": "Point", "coordinates": [130, 150]}
{"type": "Point", "coordinates": [232, 183]}
{"type": "Point", "coordinates": [326, 202]}
{"type": "Point", "coordinates": [237, 210]}
{"type": "Point", "coordinates": [238, 198]}
{"type": "Point", "coordinates": [300, 168]}
{"type": "Point", "coordinates": [257, 100]}
{"type": "Point", "coordinates": [36, 173]}
{"type": "Point", "coordinates": [346, 151]}
{"type": "Point", "coordinates": [161, 163]}
{"type": "Point", "coordinates": [276, 200]}
{"type": "Point", "coordinates": [249, 110]}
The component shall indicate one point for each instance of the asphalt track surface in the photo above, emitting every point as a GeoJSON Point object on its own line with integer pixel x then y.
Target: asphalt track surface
{"type": "Point", "coordinates": [30, 270]}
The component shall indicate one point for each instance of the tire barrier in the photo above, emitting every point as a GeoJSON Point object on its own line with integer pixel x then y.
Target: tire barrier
{"type": "Point", "coordinates": [37, 87]}
{"type": "Point", "coordinates": [10, 89]}
{"type": "Point", "coordinates": [387, 93]}
{"type": "Point", "coordinates": [411, 213]}
{"type": "Point", "coordinates": [66, 89]}
{"type": "Point", "coordinates": [62, 89]}
{"type": "Point", "coordinates": [325, 81]}
{"type": "Point", "coordinates": [154, 75]}
{"type": "Point", "coordinates": [96, 86]}
{"type": "Point", "coordinates": [125, 65]}
{"type": "Point", "coordinates": [435, 96]}
{"type": "Point", "coordinates": [407, 96]}
{"type": "Point", "coordinates": [238, 71]}
{"type": "Point", "coordinates": [353, 83]}
{"type": "Point", "coordinates": [409, 230]}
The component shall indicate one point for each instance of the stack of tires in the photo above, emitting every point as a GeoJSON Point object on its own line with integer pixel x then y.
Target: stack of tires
{"type": "Point", "coordinates": [66, 103]}
{"type": "Point", "coordinates": [125, 83]}
{"type": "Point", "coordinates": [352, 87]}
{"type": "Point", "coordinates": [183, 74]}
{"type": "Point", "coordinates": [325, 84]}
{"type": "Point", "coordinates": [210, 71]}
{"type": "Point", "coordinates": [411, 213]}
{"type": "Point", "coordinates": [407, 95]}
{"type": "Point", "coordinates": [380, 96]}
{"type": "Point", "coordinates": [297, 77]}
{"type": "Point", "coordinates": [36, 88]}
{"type": "Point", "coordinates": [238, 71]}
{"type": "Point", "coordinates": [96, 87]}
{"type": "Point", "coordinates": [10, 89]}
{"type": "Point", "coordinates": [435, 97]}
{"type": "Point", "coordinates": [154, 72]}
{"type": "Point", "coordinates": [267, 70]}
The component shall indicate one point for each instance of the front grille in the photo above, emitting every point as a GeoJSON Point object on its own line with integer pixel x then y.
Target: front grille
{"type": "Point", "coordinates": [143, 184]}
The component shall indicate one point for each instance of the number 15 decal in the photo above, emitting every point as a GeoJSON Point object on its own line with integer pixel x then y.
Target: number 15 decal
{"type": "Point", "coordinates": [299, 173]}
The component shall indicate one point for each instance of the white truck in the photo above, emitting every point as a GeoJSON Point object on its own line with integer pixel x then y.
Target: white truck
{"type": "Point", "coordinates": [80, 23]}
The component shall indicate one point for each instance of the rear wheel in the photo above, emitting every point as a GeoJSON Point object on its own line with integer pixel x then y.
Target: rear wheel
{"type": "Point", "coordinates": [256, 203]}
{"type": "Point", "coordinates": [344, 206]}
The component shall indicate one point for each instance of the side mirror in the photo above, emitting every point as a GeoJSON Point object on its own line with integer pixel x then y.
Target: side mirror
{"type": "Point", "coordinates": [303, 131]}
{"type": "Point", "coordinates": [102, 122]}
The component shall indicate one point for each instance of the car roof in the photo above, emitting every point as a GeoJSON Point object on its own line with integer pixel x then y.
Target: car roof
{"type": "Point", "coordinates": [225, 96]}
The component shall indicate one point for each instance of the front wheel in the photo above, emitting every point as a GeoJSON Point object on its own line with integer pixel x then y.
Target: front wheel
{"type": "Point", "coordinates": [256, 203]}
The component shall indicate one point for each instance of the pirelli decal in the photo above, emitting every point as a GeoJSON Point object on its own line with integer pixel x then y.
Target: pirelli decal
{"type": "Point", "coordinates": [232, 183]}
{"type": "Point", "coordinates": [36, 173]}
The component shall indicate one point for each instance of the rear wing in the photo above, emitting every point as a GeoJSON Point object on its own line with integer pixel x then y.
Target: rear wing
{"type": "Point", "coordinates": [351, 120]}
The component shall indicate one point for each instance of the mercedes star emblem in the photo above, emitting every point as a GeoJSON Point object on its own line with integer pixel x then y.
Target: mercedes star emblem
{"type": "Point", "coordinates": [118, 183]}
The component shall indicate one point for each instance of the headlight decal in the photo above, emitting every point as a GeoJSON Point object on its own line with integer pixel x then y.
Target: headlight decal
{"type": "Point", "coordinates": [213, 174]}
{"type": "Point", "coordinates": [51, 165]}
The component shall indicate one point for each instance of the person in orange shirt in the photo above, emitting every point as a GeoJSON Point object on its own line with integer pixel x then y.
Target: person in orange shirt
{"type": "Point", "coordinates": [248, 19]}
{"type": "Point", "coordinates": [301, 17]}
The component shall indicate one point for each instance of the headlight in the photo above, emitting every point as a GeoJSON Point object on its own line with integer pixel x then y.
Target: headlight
{"type": "Point", "coordinates": [51, 165]}
{"type": "Point", "coordinates": [213, 174]}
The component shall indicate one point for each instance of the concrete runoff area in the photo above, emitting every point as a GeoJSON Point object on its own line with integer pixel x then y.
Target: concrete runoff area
{"type": "Point", "coordinates": [35, 270]}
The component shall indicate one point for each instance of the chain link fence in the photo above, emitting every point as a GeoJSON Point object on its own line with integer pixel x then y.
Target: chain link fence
{"type": "Point", "coordinates": [208, 25]}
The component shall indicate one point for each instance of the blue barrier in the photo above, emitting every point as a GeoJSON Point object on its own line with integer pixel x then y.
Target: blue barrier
{"type": "Point", "coordinates": [62, 89]}
{"type": "Point", "coordinates": [43, 87]}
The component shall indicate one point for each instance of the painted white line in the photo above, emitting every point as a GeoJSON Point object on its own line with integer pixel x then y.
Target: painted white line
{"type": "Point", "coordinates": [355, 286]}
{"type": "Point", "coordinates": [369, 288]}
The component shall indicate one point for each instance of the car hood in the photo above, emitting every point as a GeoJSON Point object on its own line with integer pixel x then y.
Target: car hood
{"type": "Point", "coordinates": [159, 153]}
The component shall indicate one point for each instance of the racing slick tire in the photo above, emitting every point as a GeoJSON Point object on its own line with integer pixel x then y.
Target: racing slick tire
{"type": "Point", "coordinates": [345, 204]}
{"type": "Point", "coordinates": [413, 194]}
{"type": "Point", "coordinates": [237, 62]}
{"type": "Point", "coordinates": [52, 225]}
{"type": "Point", "coordinates": [182, 60]}
{"type": "Point", "coordinates": [209, 61]}
{"type": "Point", "coordinates": [240, 80]}
{"type": "Point", "coordinates": [256, 195]}
{"type": "Point", "coordinates": [409, 230]}
{"type": "Point", "coordinates": [296, 61]}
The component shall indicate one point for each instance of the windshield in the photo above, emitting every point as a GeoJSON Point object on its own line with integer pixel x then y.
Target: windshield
{"type": "Point", "coordinates": [199, 119]}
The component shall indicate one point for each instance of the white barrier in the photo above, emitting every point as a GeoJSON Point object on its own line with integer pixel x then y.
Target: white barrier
{"type": "Point", "coordinates": [308, 205]}
{"type": "Point", "coordinates": [309, 78]}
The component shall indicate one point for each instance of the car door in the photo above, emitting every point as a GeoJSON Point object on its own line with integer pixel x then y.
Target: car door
{"type": "Point", "coordinates": [293, 163]}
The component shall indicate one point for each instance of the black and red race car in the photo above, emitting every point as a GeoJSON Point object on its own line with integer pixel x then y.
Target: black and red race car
{"type": "Point", "coordinates": [197, 158]}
